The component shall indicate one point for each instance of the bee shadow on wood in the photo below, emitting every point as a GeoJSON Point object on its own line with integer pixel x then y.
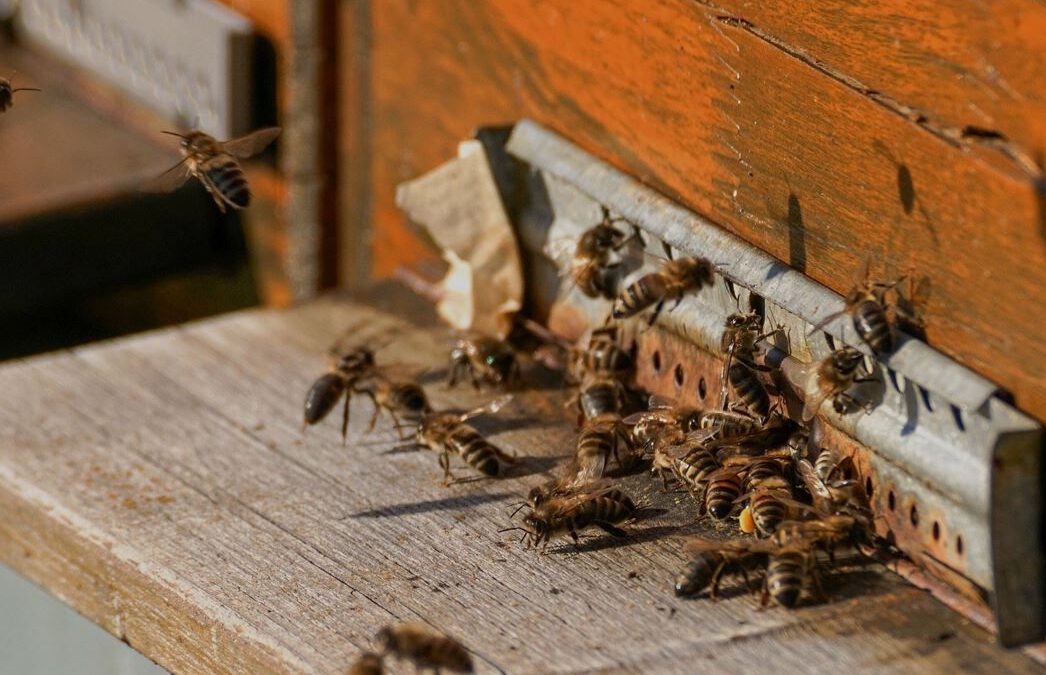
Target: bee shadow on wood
{"type": "Point", "coordinates": [529, 465]}
{"type": "Point", "coordinates": [606, 542]}
{"type": "Point", "coordinates": [455, 503]}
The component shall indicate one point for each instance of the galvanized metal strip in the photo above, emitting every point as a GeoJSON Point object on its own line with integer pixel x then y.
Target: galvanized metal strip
{"type": "Point", "coordinates": [741, 262]}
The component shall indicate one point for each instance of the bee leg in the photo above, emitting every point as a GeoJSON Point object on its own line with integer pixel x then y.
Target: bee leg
{"type": "Point", "coordinates": [657, 312]}
{"type": "Point", "coordinates": [374, 419]}
{"type": "Point", "coordinates": [717, 576]}
{"type": "Point", "coordinates": [444, 463]}
{"type": "Point", "coordinates": [452, 376]}
{"type": "Point", "coordinates": [475, 378]}
{"type": "Point", "coordinates": [345, 419]}
{"type": "Point", "coordinates": [212, 190]}
{"type": "Point", "coordinates": [764, 599]}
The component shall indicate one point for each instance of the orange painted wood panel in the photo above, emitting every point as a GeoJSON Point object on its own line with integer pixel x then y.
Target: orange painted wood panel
{"type": "Point", "coordinates": [271, 17]}
{"type": "Point", "coordinates": [712, 114]}
{"type": "Point", "coordinates": [956, 63]}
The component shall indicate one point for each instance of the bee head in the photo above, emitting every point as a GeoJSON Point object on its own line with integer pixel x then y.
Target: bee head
{"type": "Point", "coordinates": [386, 639]}
{"type": "Point", "coordinates": [500, 362]}
{"type": "Point", "coordinates": [847, 359]}
{"type": "Point", "coordinates": [411, 398]}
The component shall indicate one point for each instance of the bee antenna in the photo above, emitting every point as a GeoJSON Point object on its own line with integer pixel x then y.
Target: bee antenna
{"type": "Point", "coordinates": [517, 510]}
{"type": "Point", "coordinates": [173, 133]}
{"type": "Point", "coordinates": [509, 529]}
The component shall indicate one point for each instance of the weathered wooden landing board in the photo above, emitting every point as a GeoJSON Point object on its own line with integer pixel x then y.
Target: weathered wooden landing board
{"type": "Point", "coordinates": [162, 486]}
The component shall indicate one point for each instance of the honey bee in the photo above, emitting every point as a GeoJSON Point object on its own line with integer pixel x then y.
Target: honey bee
{"type": "Point", "coordinates": [603, 507]}
{"type": "Point", "coordinates": [599, 396]}
{"type": "Point", "coordinates": [740, 371]}
{"type": "Point", "coordinates": [400, 399]}
{"type": "Point", "coordinates": [7, 93]}
{"type": "Point", "coordinates": [663, 421]}
{"type": "Point", "coordinates": [723, 489]}
{"type": "Point", "coordinates": [214, 163]}
{"type": "Point", "coordinates": [829, 379]}
{"type": "Point", "coordinates": [729, 424]}
{"type": "Point", "coordinates": [671, 282]}
{"type": "Point", "coordinates": [867, 307]}
{"type": "Point", "coordinates": [450, 434]}
{"type": "Point", "coordinates": [787, 570]}
{"type": "Point", "coordinates": [690, 461]}
{"type": "Point", "coordinates": [601, 439]}
{"type": "Point", "coordinates": [368, 663]}
{"type": "Point", "coordinates": [836, 496]}
{"type": "Point", "coordinates": [788, 565]}
{"type": "Point", "coordinates": [425, 648]}
{"type": "Point", "coordinates": [593, 267]}
{"type": "Point", "coordinates": [485, 359]}
{"type": "Point", "coordinates": [710, 560]}
{"type": "Point", "coordinates": [601, 356]}
{"type": "Point", "coordinates": [350, 375]}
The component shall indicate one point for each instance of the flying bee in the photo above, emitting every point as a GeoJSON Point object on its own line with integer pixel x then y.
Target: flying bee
{"type": "Point", "coordinates": [7, 93]}
{"type": "Point", "coordinates": [598, 396]}
{"type": "Point", "coordinates": [605, 508]}
{"type": "Point", "coordinates": [368, 663]}
{"type": "Point", "coordinates": [401, 399]}
{"type": "Point", "coordinates": [349, 375]}
{"type": "Point", "coordinates": [710, 559]}
{"type": "Point", "coordinates": [602, 356]}
{"type": "Point", "coordinates": [671, 282]}
{"type": "Point", "coordinates": [829, 379]}
{"type": "Point", "coordinates": [595, 257]}
{"type": "Point", "coordinates": [867, 307]}
{"type": "Point", "coordinates": [214, 163]}
{"type": "Point", "coordinates": [450, 434]}
{"type": "Point", "coordinates": [425, 648]}
{"type": "Point", "coordinates": [485, 359]}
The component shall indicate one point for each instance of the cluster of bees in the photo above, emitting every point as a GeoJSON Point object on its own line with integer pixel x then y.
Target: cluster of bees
{"type": "Point", "coordinates": [214, 163]}
{"type": "Point", "coordinates": [743, 463]}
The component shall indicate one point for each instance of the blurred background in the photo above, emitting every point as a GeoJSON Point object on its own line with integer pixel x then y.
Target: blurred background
{"type": "Point", "coordinates": [86, 255]}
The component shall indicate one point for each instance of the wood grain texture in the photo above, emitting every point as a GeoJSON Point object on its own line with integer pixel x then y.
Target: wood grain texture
{"type": "Point", "coordinates": [715, 115]}
{"type": "Point", "coordinates": [162, 486]}
{"type": "Point", "coordinates": [956, 65]}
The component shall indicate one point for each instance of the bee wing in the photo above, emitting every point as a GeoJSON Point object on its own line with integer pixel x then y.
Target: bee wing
{"type": "Point", "coordinates": [814, 485]}
{"type": "Point", "coordinates": [701, 435]}
{"type": "Point", "coordinates": [251, 144]}
{"type": "Point", "coordinates": [656, 402]}
{"type": "Point", "coordinates": [561, 250]}
{"type": "Point", "coordinates": [488, 409]}
{"type": "Point", "coordinates": [641, 416]}
{"type": "Point", "coordinates": [592, 470]}
{"type": "Point", "coordinates": [168, 181]}
{"type": "Point", "coordinates": [814, 395]}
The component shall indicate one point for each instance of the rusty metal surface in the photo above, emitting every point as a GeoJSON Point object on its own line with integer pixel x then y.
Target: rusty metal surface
{"type": "Point", "coordinates": [955, 472]}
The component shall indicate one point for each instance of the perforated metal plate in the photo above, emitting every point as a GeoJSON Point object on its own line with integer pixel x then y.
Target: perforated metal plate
{"type": "Point", "coordinates": [954, 472]}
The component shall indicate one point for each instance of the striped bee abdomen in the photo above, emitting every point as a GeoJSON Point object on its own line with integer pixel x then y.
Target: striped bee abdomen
{"type": "Point", "coordinates": [639, 295]}
{"type": "Point", "coordinates": [784, 577]}
{"type": "Point", "coordinates": [476, 451]}
{"type": "Point", "coordinates": [749, 389]}
{"type": "Point", "coordinates": [870, 322]}
{"type": "Point", "coordinates": [227, 177]}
